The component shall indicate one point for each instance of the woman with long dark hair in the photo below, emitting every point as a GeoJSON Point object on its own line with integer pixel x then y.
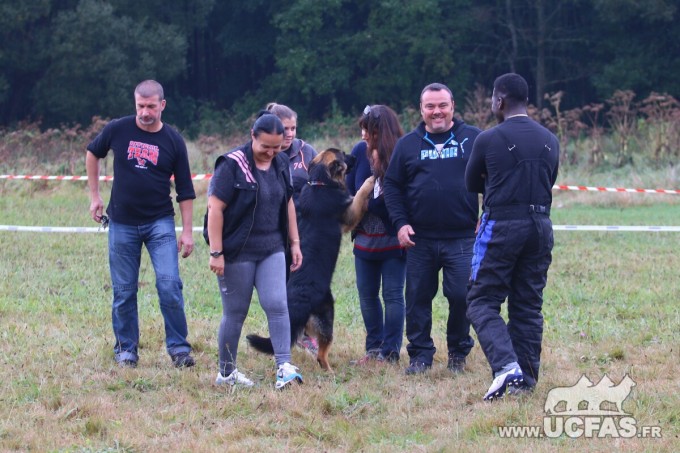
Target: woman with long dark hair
{"type": "Point", "coordinates": [379, 259]}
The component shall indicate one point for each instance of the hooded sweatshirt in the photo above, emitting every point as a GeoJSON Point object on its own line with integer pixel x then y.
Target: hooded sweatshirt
{"type": "Point", "coordinates": [425, 187]}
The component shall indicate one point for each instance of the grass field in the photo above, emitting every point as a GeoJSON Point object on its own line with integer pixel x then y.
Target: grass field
{"type": "Point", "coordinates": [611, 307]}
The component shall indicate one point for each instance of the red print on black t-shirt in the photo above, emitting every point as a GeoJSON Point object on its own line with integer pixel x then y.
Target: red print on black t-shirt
{"type": "Point", "coordinates": [143, 152]}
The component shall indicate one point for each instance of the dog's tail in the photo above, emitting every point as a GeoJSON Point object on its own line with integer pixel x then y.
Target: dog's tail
{"type": "Point", "coordinates": [261, 344]}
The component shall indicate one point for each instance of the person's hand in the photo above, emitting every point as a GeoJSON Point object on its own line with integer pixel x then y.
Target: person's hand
{"type": "Point", "coordinates": [404, 236]}
{"type": "Point", "coordinates": [296, 256]}
{"type": "Point", "coordinates": [217, 265]}
{"type": "Point", "coordinates": [186, 242]}
{"type": "Point", "coordinates": [97, 209]}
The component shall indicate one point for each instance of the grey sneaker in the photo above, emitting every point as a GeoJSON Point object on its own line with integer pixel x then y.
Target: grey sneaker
{"type": "Point", "coordinates": [371, 357]}
{"type": "Point", "coordinates": [235, 378]}
{"type": "Point", "coordinates": [287, 373]}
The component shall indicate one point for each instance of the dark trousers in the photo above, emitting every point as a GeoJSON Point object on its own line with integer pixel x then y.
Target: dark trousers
{"type": "Point", "coordinates": [511, 260]}
{"type": "Point", "coordinates": [423, 262]}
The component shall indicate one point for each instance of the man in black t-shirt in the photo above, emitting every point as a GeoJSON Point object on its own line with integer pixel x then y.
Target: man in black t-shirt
{"type": "Point", "coordinates": [514, 165]}
{"type": "Point", "coordinates": [147, 154]}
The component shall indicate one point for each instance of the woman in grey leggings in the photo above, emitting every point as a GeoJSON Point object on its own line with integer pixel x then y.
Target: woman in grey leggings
{"type": "Point", "coordinates": [250, 226]}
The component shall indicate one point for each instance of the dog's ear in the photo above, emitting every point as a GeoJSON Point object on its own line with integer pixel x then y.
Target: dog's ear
{"type": "Point", "coordinates": [350, 161]}
{"type": "Point", "coordinates": [337, 169]}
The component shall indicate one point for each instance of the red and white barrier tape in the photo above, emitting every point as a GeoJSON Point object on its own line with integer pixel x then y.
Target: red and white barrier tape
{"type": "Point", "coordinates": [206, 176]}
{"type": "Point", "coordinates": [48, 229]}
{"type": "Point", "coordinates": [616, 189]}
{"type": "Point", "coordinates": [196, 177]}
{"type": "Point", "coordinates": [202, 176]}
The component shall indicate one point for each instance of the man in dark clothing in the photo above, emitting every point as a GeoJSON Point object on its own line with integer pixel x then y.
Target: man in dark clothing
{"type": "Point", "coordinates": [435, 217]}
{"type": "Point", "coordinates": [147, 153]}
{"type": "Point", "coordinates": [514, 165]}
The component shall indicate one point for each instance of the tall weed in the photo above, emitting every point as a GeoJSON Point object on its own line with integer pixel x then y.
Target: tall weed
{"type": "Point", "coordinates": [621, 133]}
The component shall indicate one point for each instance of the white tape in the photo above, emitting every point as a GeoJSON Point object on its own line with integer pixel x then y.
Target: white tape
{"type": "Point", "coordinates": [48, 229]}
{"type": "Point", "coordinates": [613, 228]}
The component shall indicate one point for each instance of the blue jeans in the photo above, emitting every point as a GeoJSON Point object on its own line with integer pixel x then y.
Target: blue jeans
{"type": "Point", "coordinates": [125, 252]}
{"type": "Point", "coordinates": [423, 262]}
{"type": "Point", "coordinates": [383, 334]}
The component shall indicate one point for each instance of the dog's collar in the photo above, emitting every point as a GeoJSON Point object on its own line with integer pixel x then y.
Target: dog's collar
{"type": "Point", "coordinates": [316, 183]}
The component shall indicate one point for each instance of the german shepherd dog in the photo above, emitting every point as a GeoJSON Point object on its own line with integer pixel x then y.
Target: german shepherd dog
{"type": "Point", "coordinates": [326, 211]}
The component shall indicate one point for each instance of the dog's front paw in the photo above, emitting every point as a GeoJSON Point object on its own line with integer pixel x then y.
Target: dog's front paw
{"type": "Point", "coordinates": [367, 187]}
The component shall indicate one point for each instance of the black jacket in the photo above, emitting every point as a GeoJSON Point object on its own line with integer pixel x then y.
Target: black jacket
{"type": "Point", "coordinates": [241, 199]}
{"type": "Point", "coordinates": [425, 188]}
{"type": "Point", "coordinates": [514, 164]}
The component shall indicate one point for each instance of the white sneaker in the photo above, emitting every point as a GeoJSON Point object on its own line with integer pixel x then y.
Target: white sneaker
{"type": "Point", "coordinates": [235, 378]}
{"type": "Point", "coordinates": [287, 373]}
{"type": "Point", "coordinates": [500, 384]}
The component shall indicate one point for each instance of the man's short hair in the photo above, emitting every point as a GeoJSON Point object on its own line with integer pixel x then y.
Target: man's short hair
{"type": "Point", "coordinates": [150, 88]}
{"type": "Point", "coordinates": [513, 87]}
{"type": "Point", "coordinates": [436, 87]}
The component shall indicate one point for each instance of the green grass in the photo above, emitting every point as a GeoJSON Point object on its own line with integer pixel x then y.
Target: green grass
{"type": "Point", "coordinates": [611, 306]}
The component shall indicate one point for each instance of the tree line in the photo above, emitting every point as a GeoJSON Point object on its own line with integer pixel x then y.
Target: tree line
{"type": "Point", "coordinates": [65, 61]}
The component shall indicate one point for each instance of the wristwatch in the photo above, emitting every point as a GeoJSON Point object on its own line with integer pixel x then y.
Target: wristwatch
{"type": "Point", "coordinates": [217, 254]}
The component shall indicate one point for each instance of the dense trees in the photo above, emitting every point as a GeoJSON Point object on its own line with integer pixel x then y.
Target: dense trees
{"type": "Point", "coordinates": [63, 61]}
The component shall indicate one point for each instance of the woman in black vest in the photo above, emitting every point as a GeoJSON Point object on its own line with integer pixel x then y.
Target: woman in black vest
{"type": "Point", "coordinates": [251, 225]}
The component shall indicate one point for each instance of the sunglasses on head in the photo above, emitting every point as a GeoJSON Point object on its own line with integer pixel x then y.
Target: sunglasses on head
{"type": "Point", "coordinates": [368, 110]}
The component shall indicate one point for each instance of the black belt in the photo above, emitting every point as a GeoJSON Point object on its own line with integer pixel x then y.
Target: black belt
{"type": "Point", "coordinates": [516, 211]}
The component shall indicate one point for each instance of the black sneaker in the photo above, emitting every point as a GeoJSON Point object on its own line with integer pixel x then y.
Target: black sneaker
{"type": "Point", "coordinates": [417, 367]}
{"type": "Point", "coordinates": [521, 389]}
{"type": "Point", "coordinates": [456, 364]}
{"type": "Point", "coordinates": [391, 357]}
{"type": "Point", "coordinates": [183, 360]}
{"type": "Point", "coordinates": [127, 363]}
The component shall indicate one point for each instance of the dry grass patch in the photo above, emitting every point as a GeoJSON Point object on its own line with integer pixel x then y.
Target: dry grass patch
{"type": "Point", "coordinates": [611, 307]}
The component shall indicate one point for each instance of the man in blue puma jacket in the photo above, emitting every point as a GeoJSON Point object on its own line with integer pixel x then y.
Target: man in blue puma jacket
{"type": "Point", "coordinates": [435, 217]}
